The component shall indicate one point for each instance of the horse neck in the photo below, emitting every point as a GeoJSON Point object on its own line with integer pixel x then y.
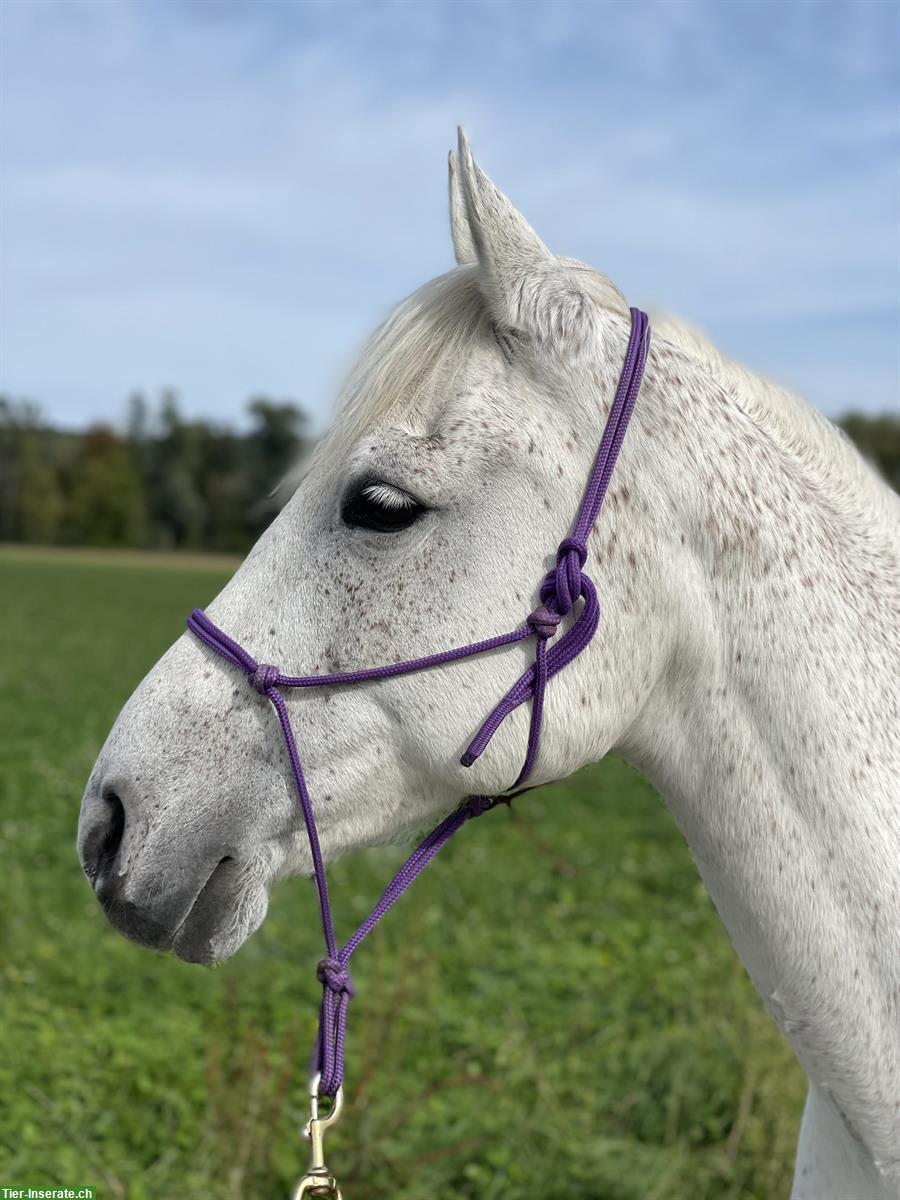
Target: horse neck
{"type": "Point", "coordinates": [773, 736]}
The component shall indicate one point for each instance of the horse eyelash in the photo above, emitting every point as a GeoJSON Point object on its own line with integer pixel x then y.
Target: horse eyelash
{"type": "Point", "coordinates": [387, 497]}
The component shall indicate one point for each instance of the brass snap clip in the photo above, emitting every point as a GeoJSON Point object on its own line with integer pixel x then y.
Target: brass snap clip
{"type": "Point", "coordinates": [318, 1181]}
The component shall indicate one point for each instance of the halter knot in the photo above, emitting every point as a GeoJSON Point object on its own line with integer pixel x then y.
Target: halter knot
{"type": "Point", "coordinates": [263, 676]}
{"type": "Point", "coordinates": [476, 805]}
{"type": "Point", "coordinates": [562, 585]}
{"type": "Point", "coordinates": [543, 622]}
{"type": "Point", "coordinates": [570, 546]}
{"type": "Point", "coordinates": [334, 975]}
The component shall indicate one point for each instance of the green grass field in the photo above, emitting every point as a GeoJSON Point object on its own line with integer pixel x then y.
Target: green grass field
{"type": "Point", "coordinates": [578, 1026]}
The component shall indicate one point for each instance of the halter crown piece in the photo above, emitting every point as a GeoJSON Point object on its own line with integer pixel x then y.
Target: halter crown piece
{"type": "Point", "coordinates": [562, 587]}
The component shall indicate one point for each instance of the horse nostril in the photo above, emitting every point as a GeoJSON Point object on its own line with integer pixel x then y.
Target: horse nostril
{"type": "Point", "coordinates": [104, 836]}
{"type": "Point", "coordinates": [112, 839]}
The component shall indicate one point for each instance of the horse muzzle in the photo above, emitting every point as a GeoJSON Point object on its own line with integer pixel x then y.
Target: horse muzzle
{"type": "Point", "coordinates": [200, 902]}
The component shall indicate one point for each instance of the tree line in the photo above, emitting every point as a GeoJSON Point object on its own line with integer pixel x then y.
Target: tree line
{"type": "Point", "coordinates": [165, 482]}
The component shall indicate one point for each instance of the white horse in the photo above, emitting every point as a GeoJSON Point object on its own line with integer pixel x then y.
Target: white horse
{"type": "Point", "coordinates": [748, 562]}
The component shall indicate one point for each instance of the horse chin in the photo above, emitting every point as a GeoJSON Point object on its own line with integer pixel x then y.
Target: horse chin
{"type": "Point", "coordinates": [228, 910]}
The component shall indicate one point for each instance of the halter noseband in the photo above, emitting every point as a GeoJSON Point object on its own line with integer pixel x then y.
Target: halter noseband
{"type": "Point", "coordinates": [562, 587]}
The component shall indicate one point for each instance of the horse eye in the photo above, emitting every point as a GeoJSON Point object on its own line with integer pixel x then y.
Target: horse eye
{"type": "Point", "coordinates": [381, 507]}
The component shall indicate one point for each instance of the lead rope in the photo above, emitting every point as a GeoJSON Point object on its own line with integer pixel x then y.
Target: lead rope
{"type": "Point", "coordinates": [562, 587]}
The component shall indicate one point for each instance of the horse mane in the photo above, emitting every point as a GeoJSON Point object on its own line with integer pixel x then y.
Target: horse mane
{"type": "Point", "coordinates": [818, 446]}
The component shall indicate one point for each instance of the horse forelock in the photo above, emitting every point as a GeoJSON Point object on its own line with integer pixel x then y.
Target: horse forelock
{"type": "Point", "coordinates": [419, 349]}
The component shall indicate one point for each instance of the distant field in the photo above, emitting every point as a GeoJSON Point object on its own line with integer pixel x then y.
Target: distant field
{"type": "Point", "coordinates": [98, 557]}
{"type": "Point", "coordinates": [554, 1012]}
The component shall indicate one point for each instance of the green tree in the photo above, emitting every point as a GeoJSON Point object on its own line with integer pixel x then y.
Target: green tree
{"type": "Point", "coordinates": [107, 505]}
{"type": "Point", "coordinates": [31, 500]}
{"type": "Point", "coordinates": [878, 438]}
{"type": "Point", "coordinates": [9, 469]}
{"type": "Point", "coordinates": [40, 501]}
{"type": "Point", "coordinates": [275, 441]}
{"type": "Point", "coordinates": [178, 506]}
{"type": "Point", "coordinates": [275, 437]}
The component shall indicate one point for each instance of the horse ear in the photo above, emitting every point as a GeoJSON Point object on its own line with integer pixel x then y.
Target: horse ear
{"type": "Point", "coordinates": [528, 289]}
{"type": "Point", "coordinates": [463, 246]}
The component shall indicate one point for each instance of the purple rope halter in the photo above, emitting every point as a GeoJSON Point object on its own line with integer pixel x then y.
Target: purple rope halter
{"type": "Point", "coordinates": [561, 589]}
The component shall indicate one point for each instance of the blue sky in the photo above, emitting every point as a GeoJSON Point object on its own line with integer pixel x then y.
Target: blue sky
{"type": "Point", "coordinates": [226, 196]}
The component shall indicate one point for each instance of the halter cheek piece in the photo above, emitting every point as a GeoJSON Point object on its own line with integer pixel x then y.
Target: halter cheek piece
{"type": "Point", "coordinates": [562, 587]}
